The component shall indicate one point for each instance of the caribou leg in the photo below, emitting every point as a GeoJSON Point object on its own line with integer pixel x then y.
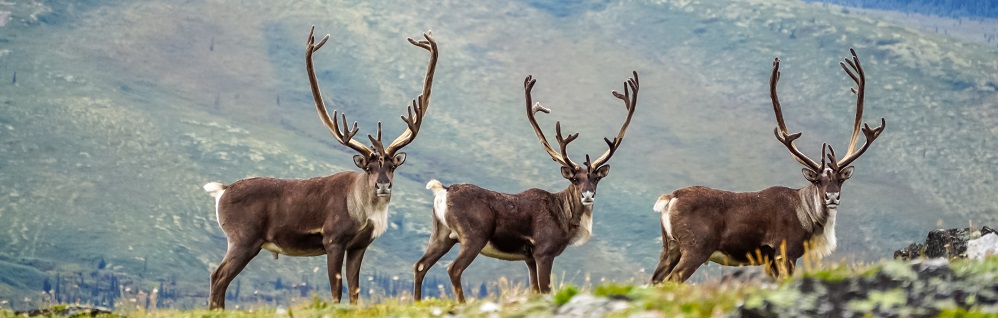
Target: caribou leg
{"type": "Point", "coordinates": [236, 258]}
{"type": "Point", "coordinates": [433, 253]}
{"type": "Point", "coordinates": [354, 258]}
{"type": "Point", "coordinates": [532, 270]}
{"type": "Point", "coordinates": [667, 261]}
{"type": "Point", "coordinates": [334, 264]}
{"type": "Point", "coordinates": [469, 250]}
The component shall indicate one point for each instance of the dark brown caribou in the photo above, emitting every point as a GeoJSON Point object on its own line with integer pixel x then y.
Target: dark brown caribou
{"type": "Point", "coordinates": [533, 226]}
{"type": "Point", "coordinates": [335, 215]}
{"type": "Point", "coordinates": [773, 227]}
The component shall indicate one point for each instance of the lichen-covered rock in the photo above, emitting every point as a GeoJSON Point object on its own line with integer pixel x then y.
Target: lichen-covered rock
{"type": "Point", "coordinates": [921, 288]}
{"type": "Point", "coordinates": [948, 243]}
{"type": "Point", "coordinates": [68, 311]}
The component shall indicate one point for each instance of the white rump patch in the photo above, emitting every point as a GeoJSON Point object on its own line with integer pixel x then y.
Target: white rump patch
{"type": "Point", "coordinates": [665, 208]}
{"type": "Point", "coordinates": [439, 201]}
{"type": "Point", "coordinates": [584, 231]}
{"type": "Point", "coordinates": [216, 189]}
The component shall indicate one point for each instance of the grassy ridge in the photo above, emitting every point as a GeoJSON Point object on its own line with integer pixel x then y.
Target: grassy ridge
{"type": "Point", "coordinates": [112, 114]}
{"type": "Point", "coordinates": [968, 289]}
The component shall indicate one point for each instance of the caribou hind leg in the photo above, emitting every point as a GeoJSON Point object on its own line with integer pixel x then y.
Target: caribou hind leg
{"type": "Point", "coordinates": [440, 244]}
{"type": "Point", "coordinates": [667, 261]}
{"type": "Point", "coordinates": [469, 250]}
{"type": "Point", "coordinates": [532, 270]}
{"type": "Point", "coordinates": [236, 258]}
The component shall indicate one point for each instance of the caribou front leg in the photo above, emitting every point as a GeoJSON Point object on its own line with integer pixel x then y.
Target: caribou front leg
{"type": "Point", "coordinates": [334, 263]}
{"type": "Point", "coordinates": [354, 258]}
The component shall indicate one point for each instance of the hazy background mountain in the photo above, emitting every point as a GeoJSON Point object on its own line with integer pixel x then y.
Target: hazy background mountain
{"type": "Point", "coordinates": [114, 113]}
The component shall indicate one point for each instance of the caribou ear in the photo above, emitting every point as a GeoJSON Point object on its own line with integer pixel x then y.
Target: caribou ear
{"type": "Point", "coordinates": [809, 174]}
{"type": "Point", "coordinates": [360, 161]}
{"type": "Point", "coordinates": [567, 172]}
{"type": "Point", "coordinates": [399, 159]}
{"type": "Point", "coordinates": [845, 174]}
{"type": "Point", "coordinates": [602, 171]}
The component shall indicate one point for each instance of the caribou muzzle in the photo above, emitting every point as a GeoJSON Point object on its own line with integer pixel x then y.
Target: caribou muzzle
{"type": "Point", "coordinates": [832, 199]}
{"type": "Point", "coordinates": [383, 189]}
{"type": "Point", "coordinates": [588, 197]}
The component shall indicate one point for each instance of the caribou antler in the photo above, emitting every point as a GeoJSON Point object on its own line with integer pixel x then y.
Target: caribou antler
{"type": "Point", "coordinates": [419, 105]}
{"type": "Point", "coordinates": [533, 108]}
{"type": "Point", "coordinates": [780, 131]}
{"type": "Point", "coordinates": [344, 136]}
{"type": "Point", "coordinates": [855, 71]}
{"type": "Point", "coordinates": [630, 98]}
{"type": "Point", "coordinates": [416, 112]}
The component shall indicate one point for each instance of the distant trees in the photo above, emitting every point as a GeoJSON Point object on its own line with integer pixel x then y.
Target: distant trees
{"type": "Point", "coordinates": [946, 8]}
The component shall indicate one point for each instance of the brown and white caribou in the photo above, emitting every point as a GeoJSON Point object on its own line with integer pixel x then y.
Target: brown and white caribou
{"type": "Point", "coordinates": [532, 226]}
{"type": "Point", "coordinates": [334, 215]}
{"type": "Point", "coordinates": [775, 226]}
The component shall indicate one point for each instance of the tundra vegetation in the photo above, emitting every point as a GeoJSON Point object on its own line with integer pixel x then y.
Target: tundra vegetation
{"type": "Point", "coordinates": [114, 113]}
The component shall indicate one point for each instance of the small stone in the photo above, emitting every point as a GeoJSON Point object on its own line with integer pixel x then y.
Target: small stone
{"type": "Point", "coordinates": [983, 247]}
{"type": "Point", "coordinates": [489, 307]}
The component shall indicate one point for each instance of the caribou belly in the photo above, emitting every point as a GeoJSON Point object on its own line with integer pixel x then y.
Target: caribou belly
{"type": "Point", "coordinates": [275, 249]}
{"type": "Point", "coordinates": [492, 252]}
{"type": "Point", "coordinates": [723, 259]}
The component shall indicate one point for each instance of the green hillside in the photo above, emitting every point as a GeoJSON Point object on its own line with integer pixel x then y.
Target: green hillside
{"type": "Point", "coordinates": [113, 115]}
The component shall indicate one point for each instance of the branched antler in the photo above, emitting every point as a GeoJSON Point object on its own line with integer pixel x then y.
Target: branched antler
{"type": "Point", "coordinates": [532, 109]}
{"type": "Point", "coordinates": [855, 71]}
{"type": "Point", "coordinates": [344, 136]}
{"type": "Point", "coordinates": [780, 131]}
{"type": "Point", "coordinates": [417, 111]}
{"type": "Point", "coordinates": [630, 98]}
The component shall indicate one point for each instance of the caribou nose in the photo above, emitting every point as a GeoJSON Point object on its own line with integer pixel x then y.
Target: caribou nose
{"type": "Point", "coordinates": [588, 197]}
{"type": "Point", "coordinates": [383, 188]}
{"type": "Point", "coordinates": [832, 198]}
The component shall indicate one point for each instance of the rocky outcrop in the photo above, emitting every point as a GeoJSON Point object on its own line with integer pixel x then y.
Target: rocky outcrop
{"type": "Point", "coordinates": [921, 289]}
{"type": "Point", "coordinates": [69, 311]}
{"type": "Point", "coordinates": [951, 243]}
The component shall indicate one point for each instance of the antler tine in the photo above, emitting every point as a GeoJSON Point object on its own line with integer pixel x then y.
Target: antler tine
{"type": "Point", "coordinates": [563, 143]}
{"type": "Point", "coordinates": [831, 158]}
{"type": "Point", "coordinates": [823, 163]}
{"type": "Point", "coordinates": [376, 143]}
{"type": "Point", "coordinates": [788, 141]}
{"type": "Point", "coordinates": [871, 135]}
{"type": "Point", "coordinates": [855, 71]}
{"type": "Point", "coordinates": [422, 102]}
{"type": "Point", "coordinates": [773, 80]}
{"type": "Point", "coordinates": [781, 132]}
{"type": "Point", "coordinates": [345, 137]}
{"type": "Point", "coordinates": [630, 98]}
{"type": "Point", "coordinates": [532, 109]}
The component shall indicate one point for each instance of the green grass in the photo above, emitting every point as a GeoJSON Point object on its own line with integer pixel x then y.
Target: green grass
{"type": "Point", "coordinates": [669, 299]}
{"type": "Point", "coordinates": [106, 138]}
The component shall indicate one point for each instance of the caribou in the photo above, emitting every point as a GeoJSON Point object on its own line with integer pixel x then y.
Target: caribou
{"type": "Point", "coordinates": [335, 215]}
{"type": "Point", "coordinates": [533, 226]}
{"type": "Point", "coordinates": [775, 226]}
